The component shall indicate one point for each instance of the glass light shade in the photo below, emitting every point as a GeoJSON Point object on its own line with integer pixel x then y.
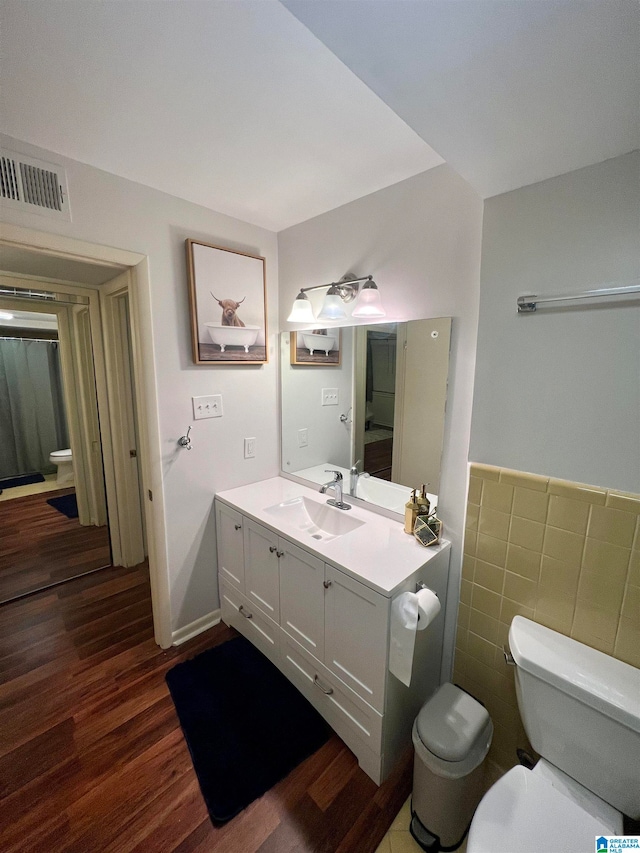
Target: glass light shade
{"type": "Point", "coordinates": [369, 302]}
{"type": "Point", "coordinates": [302, 312]}
{"type": "Point", "coordinates": [332, 307]}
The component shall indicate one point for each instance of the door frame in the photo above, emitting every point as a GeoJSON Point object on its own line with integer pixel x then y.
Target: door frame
{"type": "Point", "coordinates": [72, 385]}
{"type": "Point", "coordinates": [142, 355]}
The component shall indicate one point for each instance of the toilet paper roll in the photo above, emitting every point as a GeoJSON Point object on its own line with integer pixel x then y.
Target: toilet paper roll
{"type": "Point", "coordinates": [410, 612]}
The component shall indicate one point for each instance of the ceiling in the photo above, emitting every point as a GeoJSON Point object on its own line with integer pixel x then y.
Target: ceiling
{"type": "Point", "coordinates": [276, 112]}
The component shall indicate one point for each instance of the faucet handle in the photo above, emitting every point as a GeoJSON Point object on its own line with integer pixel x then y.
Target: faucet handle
{"type": "Point", "coordinates": [338, 474]}
{"type": "Point", "coordinates": [354, 467]}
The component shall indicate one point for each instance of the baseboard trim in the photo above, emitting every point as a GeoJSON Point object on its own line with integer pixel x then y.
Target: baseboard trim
{"type": "Point", "coordinates": [194, 628]}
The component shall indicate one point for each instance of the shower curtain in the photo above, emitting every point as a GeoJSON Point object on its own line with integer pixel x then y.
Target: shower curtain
{"type": "Point", "coordinates": [32, 413]}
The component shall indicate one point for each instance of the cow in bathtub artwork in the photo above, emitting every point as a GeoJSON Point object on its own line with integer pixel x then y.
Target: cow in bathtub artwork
{"type": "Point", "coordinates": [228, 305]}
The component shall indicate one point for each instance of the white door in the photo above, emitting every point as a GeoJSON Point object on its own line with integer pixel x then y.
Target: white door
{"type": "Point", "coordinates": [261, 582]}
{"type": "Point", "coordinates": [356, 627]}
{"type": "Point", "coordinates": [230, 546]}
{"type": "Point", "coordinates": [121, 392]}
{"type": "Point", "coordinates": [302, 598]}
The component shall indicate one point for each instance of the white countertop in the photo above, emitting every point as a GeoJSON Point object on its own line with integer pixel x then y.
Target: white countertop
{"type": "Point", "coordinates": [378, 552]}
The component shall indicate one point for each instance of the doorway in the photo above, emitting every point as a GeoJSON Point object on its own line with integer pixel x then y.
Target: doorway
{"type": "Point", "coordinates": [30, 252]}
{"type": "Point", "coordinates": [48, 539]}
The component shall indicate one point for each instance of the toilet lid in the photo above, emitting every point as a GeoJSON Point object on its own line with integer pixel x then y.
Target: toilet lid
{"type": "Point", "coordinates": [523, 813]}
{"type": "Point", "coordinates": [61, 454]}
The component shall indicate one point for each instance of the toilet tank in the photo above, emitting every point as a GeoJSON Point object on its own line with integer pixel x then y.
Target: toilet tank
{"type": "Point", "coordinates": [581, 711]}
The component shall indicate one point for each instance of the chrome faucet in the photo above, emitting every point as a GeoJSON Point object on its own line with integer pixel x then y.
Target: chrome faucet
{"type": "Point", "coordinates": [336, 485]}
{"type": "Point", "coordinates": [354, 476]}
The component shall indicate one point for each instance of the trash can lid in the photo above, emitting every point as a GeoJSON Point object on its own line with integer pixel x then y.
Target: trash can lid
{"type": "Point", "coordinates": [451, 723]}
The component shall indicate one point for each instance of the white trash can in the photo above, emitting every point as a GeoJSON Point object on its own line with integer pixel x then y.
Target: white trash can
{"type": "Point", "coordinates": [451, 737]}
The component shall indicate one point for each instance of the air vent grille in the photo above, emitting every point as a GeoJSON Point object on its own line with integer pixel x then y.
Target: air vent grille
{"type": "Point", "coordinates": [9, 178]}
{"type": "Point", "coordinates": [33, 185]}
{"type": "Point", "coordinates": [41, 187]}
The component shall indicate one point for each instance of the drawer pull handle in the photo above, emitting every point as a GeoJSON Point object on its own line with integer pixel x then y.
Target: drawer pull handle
{"type": "Point", "coordinates": [246, 615]}
{"type": "Point", "coordinates": [273, 549]}
{"type": "Point", "coordinates": [280, 553]}
{"type": "Point", "coordinates": [316, 681]}
{"type": "Point", "coordinates": [326, 584]}
{"type": "Point", "coordinates": [238, 526]}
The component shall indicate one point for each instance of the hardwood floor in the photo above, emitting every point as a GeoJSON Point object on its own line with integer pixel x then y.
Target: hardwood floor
{"type": "Point", "coordinates": [92, 757]}
{"type": "Point", "coordinates": [40, 546]}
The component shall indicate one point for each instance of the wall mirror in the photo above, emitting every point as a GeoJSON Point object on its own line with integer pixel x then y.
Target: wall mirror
{"type": "Point", "coordinates": [381, 409]}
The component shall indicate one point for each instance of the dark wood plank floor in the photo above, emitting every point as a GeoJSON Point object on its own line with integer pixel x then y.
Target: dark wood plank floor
{"type": "Point", "coordinates": [92, 757]}
{"type": "Point", "coordinates": [377, 458]}
{"type": "Point", "coordinates": [40, 546]}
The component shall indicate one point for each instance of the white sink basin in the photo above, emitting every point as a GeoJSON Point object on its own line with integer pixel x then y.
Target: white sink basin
{"type": "Point", "coordinates": [319, 520]}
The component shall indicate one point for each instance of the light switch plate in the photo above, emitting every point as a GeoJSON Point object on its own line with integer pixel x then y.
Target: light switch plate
{"type": "Point", "coordinates": [303, 437]}
{"type": "Point", "coordinates": [329, 396]}
{"type": "Point", "coordinates": [207, 407]}
{"type": "Point", "coordinates": [249, 448]}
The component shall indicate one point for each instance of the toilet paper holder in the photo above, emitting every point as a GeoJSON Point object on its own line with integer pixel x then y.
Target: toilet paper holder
{"type": "Point", "coordinates": [420, 586]}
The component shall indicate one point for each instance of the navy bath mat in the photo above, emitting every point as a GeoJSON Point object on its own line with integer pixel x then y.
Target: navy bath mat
{"type": "Point", "coordinates": [66, 504]}
{"type": "Point", "coordinates": [245, 724]}
{"type": "Point", "coordinates": [22, 480]}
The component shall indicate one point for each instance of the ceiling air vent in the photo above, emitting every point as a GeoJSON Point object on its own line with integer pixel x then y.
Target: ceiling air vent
{"type": "Point", "coordinates": [33, 186]}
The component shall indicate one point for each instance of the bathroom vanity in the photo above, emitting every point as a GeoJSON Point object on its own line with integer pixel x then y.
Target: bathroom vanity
{"type": "Point", "coordinates": [311, 586]}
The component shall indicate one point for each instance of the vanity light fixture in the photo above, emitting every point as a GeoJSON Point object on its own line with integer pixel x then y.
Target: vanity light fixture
{"type": "Point", "coordinates": [338, 294]}
{"type": "Point", "coordinates": [369, 304]}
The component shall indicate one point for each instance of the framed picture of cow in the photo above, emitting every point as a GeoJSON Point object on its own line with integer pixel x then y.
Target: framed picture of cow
{"type": "Point", "coordinates": [228, 299]}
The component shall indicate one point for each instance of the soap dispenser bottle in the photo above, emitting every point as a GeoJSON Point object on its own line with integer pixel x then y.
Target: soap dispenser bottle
{"type": "Point", "coordinates": [410, 513]}
{"type": "Point", "coordinates": [423, 501]}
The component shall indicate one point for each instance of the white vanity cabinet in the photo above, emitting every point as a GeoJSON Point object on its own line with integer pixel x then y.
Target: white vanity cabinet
{"type": "Point", "coordinates": [322, 615]}
{"type": "Point", "coordinates": [339, 620]}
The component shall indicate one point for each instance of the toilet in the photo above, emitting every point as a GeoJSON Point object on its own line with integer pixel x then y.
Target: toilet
{"type": "Point", "coordinates": [581, 711]}
{"type": "Point", "coordinates": [64, 462]}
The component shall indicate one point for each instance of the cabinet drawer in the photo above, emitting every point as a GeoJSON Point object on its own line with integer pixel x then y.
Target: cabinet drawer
{"type": "Point", "coordinates": [354, 721]}
{"type": "Point", "coordinates": [240, 614]}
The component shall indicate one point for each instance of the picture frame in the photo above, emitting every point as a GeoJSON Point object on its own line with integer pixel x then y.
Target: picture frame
{"type": "Point", "coordinates": [309, 348]}
{"type": "Point", "coordinates": [228, 305]}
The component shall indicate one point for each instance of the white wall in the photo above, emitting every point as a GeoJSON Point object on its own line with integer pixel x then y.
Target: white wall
{"type": "Point", "coordinates": [420, 239]}
{"type": "Point", "coordinates": [112, 211]}
{"type": "Point", "coordinates": [558, 392]}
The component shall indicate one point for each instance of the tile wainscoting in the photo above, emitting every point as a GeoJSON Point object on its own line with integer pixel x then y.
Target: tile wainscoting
{"type": "Point", "coordinates": [564, 554]}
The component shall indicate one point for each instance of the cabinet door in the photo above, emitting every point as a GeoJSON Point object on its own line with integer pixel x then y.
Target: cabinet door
{"type": "Point", "coordinates": [356, 629]}
{"type": "Point", "coordinates": [261, 584]}
{"type": "Point", "coordinates": [302, 597]}
{"type": "Point", "coordinates": [230, 545]}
